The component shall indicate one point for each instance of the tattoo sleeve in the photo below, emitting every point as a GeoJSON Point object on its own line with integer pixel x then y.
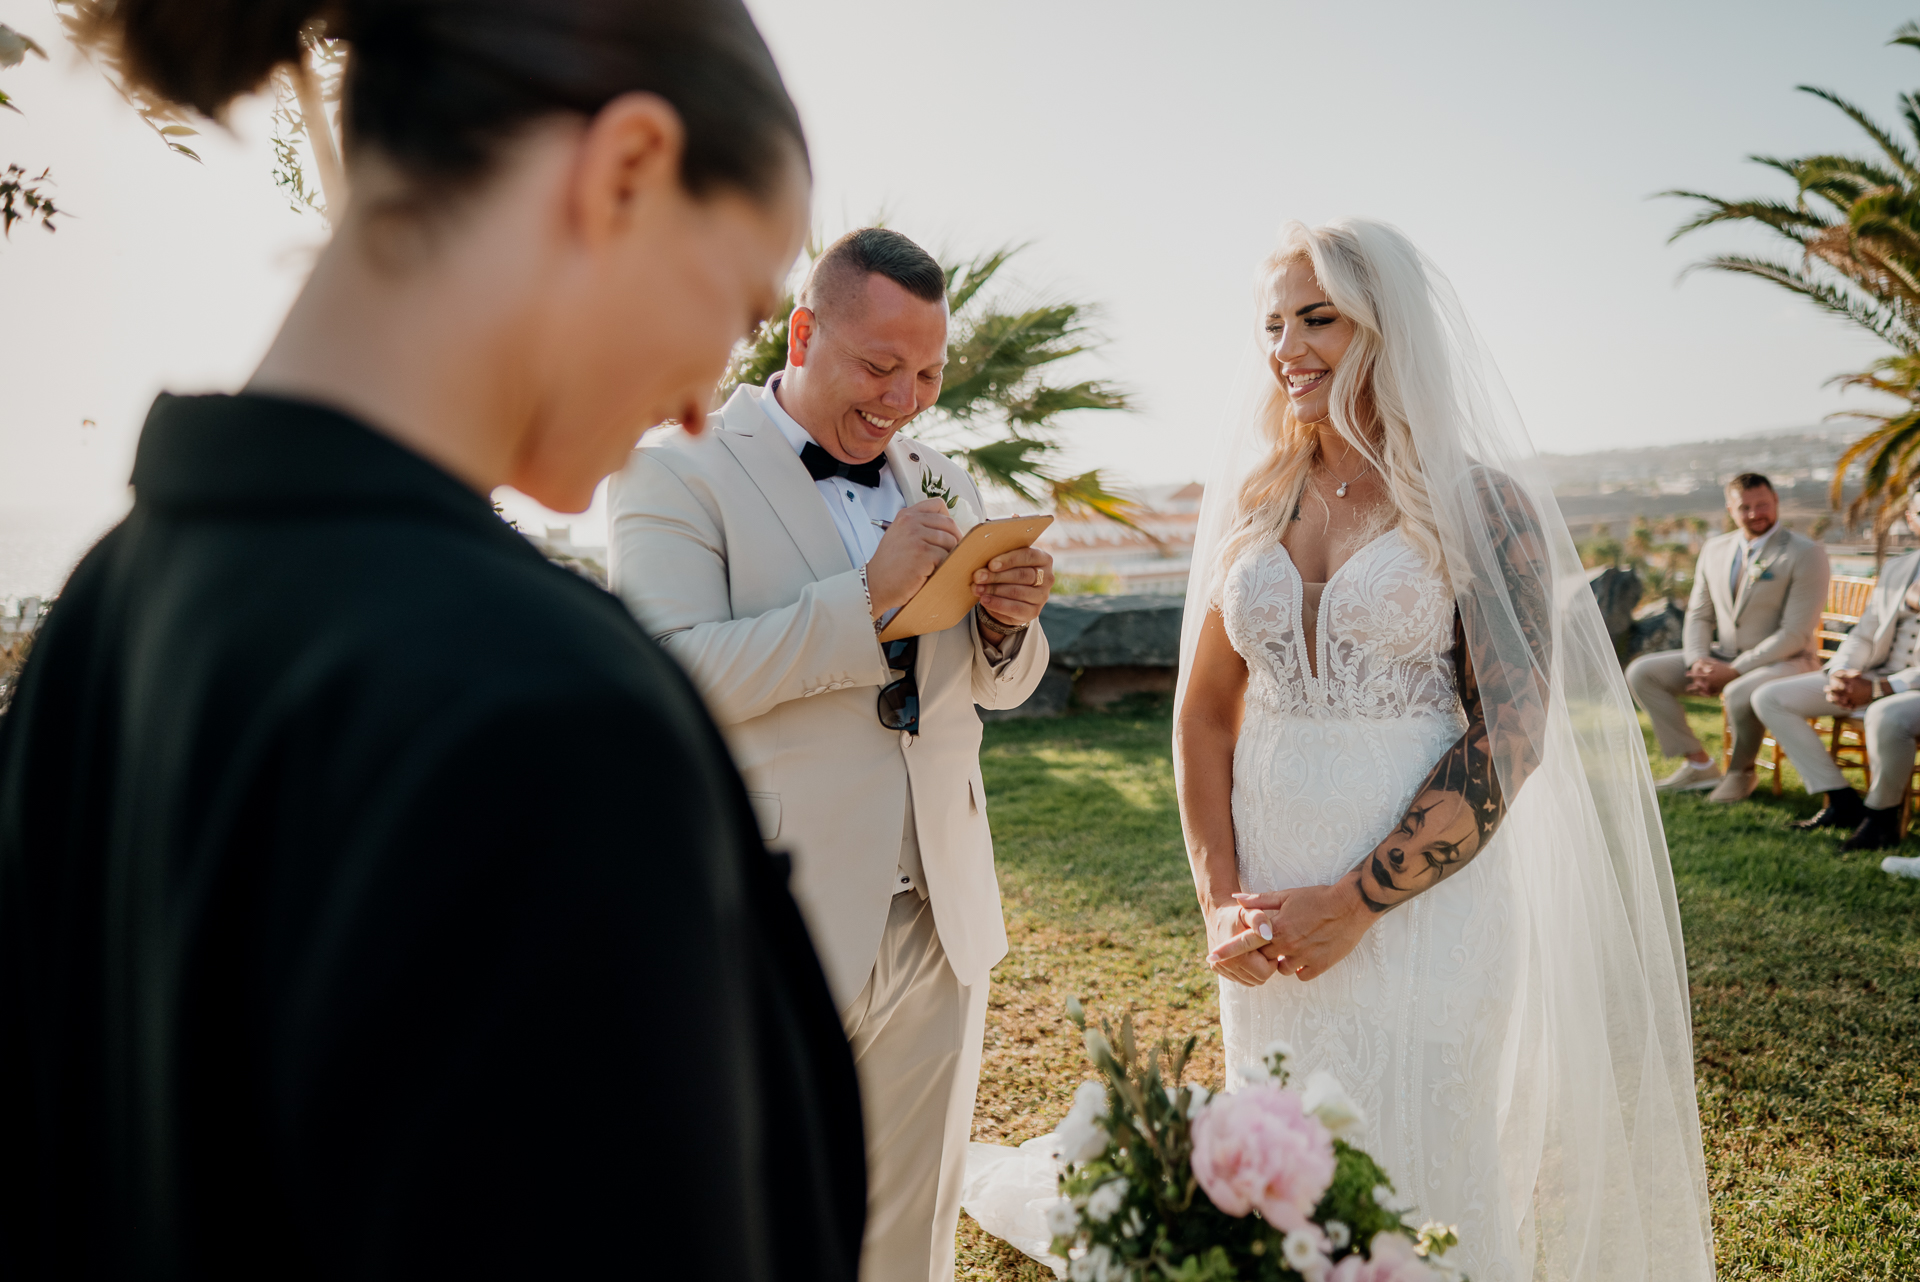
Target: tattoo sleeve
{"type": "Point", "coordinates": [1464, 798]}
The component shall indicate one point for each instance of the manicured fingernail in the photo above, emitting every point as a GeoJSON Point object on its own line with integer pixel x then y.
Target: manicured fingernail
{"type": "Point", "coordinates": [993, 564]}
{"type": "Point", "coordinates": [1266, 932]}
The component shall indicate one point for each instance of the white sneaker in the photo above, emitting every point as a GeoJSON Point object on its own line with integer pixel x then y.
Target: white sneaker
{"type": "Point", "coordinates": [1692, 776]}
{"type": "Point", "coordinates": [1737, 786]}
{"type": "Point", "coordinates": [1901, 866]}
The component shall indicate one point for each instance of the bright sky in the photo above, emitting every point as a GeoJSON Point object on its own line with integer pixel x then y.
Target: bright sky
{"type": "Point", "coordinates": [1146, 151]}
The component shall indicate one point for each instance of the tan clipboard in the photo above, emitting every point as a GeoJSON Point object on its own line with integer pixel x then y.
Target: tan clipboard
{"type": "Point", "coordinates": [944, 599]}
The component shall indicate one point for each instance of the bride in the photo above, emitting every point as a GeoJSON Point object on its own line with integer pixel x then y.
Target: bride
{"type": "Point", "coordinates": [1414, 790]}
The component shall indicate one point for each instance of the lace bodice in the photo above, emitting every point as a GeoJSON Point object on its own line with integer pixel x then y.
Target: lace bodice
{"type": "Point", "coordinates": [1384, 641]}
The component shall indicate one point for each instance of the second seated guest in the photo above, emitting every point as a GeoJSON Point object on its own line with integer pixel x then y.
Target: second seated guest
{"type": "Point", "coordinates": [1753, 618]}
{"type": "Point", "coordinates": [1874, 675]}
{"type": "Point", "coordinates": [765, 556]}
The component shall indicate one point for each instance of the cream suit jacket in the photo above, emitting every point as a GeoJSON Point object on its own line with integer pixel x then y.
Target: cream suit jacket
{"type": "Point", "coordinates": [1867, 647]}
{"type": "Point", "coordinates": [1774, 616]}
{"type": "Point", "coordinates": [724, 549]}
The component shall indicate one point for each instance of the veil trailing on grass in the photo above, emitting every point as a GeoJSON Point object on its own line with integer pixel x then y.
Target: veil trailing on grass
{"type": "Point", "coordinates": [1599, 1157]}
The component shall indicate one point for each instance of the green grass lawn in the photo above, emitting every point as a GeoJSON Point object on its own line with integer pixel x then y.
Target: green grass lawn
{"type": "Point", "coordinates": [1805, 967]}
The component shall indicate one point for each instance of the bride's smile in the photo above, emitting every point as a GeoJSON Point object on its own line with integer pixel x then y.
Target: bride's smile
{"type": "Point", "coordinates": [1306, 337]}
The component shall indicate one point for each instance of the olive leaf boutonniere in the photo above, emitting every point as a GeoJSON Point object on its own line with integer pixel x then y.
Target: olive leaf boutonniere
{"type": "Point", "coordinates": [935, 487]}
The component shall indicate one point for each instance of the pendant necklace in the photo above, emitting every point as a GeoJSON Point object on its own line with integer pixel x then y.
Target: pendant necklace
{"type": "Point", "coordinates": [1341, 492]}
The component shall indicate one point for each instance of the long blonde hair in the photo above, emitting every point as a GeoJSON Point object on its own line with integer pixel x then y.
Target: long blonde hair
{"type": "Point", "coordinates": [1349, 258]}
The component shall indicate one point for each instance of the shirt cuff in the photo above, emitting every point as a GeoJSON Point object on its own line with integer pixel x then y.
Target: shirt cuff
{"type": "Point", "coordinates": [1003, 653]}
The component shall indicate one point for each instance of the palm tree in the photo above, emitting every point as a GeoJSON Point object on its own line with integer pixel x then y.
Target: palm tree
{"type": "Point", "coordinates": [998, 411]}
{"type": "Point", "coordinates": [1856, 224]}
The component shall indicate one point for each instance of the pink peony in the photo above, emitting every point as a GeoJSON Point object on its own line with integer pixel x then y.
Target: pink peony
{"type": "Point", "coordinates": [1259, 1148]}
{"type": "Point", "coordinates": [1393, 1261]}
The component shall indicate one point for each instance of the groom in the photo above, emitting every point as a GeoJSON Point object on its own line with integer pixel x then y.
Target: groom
{"type": "Point", "coordinates": [765, 556]}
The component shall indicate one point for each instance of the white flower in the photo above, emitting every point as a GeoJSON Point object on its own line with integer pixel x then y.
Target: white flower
{"type": "Point", "coordinates": [1278, 1046]}
{"type": "Point", "coordinates": [1338, 1234]}
{"type": "Point", "coordinates": [1303, 1255]}
{"type": "Point", "coordinates": [1327, 1100]}
{"type": "Point", "coordinates": [1062, 1219]}
{"type": "Point", "coordinates": [1098, 1265]}
{"type": "Point", "coordinates": [1082, 1137]}
{"type": "Point", "coordinates": [1197, 1100]}
{"type": "Point", "coordinates": [1136, 1224]}
{"type": "Point", "coordinates": [1106, 1200]}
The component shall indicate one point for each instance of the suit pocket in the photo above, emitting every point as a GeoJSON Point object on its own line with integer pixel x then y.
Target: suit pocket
{"type": "Point", "coordinates": [973, 796]}
{"type": "Point", "coordinates": [766, 812]}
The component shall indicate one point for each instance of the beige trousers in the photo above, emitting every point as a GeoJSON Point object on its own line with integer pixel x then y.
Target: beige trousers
{"type": "Point", "coordinates": [916, 1032]}
{"type": "Point", "coordinates": [1658, 681]}
{"type": "Point", "coordinates": [1892, 725]}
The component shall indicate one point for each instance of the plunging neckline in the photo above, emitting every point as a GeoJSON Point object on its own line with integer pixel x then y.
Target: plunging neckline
{"type": "Point", "coordinates": [1313, 658]}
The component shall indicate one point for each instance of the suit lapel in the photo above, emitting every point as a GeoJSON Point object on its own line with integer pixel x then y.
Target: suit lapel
{"type": "Point", "coordinates": [1723, 599]}
{"type": "Point", "coordinates": [760, 448]}
{"type": "Point", "coordinates": [907, 459]}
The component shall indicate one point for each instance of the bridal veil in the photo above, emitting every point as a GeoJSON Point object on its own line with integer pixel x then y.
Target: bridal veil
{"type": "Point", "coordinates": [1599, 1131]}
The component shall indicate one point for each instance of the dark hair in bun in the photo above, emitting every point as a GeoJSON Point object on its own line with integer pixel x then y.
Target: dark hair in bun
{"type": "Point", "coordinates": [436, 85]}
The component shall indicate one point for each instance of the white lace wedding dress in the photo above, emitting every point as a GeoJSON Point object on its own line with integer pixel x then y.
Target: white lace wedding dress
{"type": "Point", "coordinates": [1330, 753]}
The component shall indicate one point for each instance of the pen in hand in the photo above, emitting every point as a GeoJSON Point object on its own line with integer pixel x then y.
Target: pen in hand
{"type": "Point", "coordinates": [885, 525]}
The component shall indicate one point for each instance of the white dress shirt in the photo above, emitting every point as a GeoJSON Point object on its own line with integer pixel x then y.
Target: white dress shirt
{"type": "Point", "coordinates": [854, 508]}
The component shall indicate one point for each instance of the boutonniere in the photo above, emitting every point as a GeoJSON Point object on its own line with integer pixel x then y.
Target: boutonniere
{"type": "Point", "coordinates": [936, 487]}
{"type": "Point", "coordinates": [1759, 572]}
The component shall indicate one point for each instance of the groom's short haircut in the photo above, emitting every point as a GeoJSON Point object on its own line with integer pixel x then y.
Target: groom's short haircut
{"type": "Point", "coordinates": [1749, 481]}
{"type": "Point", "coordinates": [844, 265]}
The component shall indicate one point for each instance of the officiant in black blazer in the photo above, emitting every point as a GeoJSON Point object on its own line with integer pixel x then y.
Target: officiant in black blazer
{"type": "Point", "coordinates": [376, 899]}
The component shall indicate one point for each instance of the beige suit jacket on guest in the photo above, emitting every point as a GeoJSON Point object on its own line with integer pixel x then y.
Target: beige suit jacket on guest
{"type": "Point", "coordinates": [1775, 614]}
{"type": "Point", "coordinates": [1869, 646]}
{"type": "Point", "coordinates": [724, 549]}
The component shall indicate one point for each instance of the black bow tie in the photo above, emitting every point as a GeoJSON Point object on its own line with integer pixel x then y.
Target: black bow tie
{"type": "Point", "coordinates": [822, 466]}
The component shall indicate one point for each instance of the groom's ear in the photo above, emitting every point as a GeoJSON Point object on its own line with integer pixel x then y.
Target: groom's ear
{"type": "Point", "coordinates": [800, 330]}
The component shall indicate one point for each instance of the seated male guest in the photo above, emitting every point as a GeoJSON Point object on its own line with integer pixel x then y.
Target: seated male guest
{"type": "Point", "coordinates": [765, 556]}
{"type": "Point", "coordinates": [1874, 675]}
{"type": "Point", "coordinates": [1754, 617]}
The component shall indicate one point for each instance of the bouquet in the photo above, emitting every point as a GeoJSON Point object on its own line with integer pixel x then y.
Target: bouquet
{"type": "Point", "coordinates": [1162, 1180]}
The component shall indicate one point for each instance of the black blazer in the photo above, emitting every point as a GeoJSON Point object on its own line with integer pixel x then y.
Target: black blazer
{"type": "Point", "coordinates": [376, 899]}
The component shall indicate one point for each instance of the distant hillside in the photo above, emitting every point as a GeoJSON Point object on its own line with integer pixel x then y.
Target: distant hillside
{"type": "Point", "coordinates": [1663, 481]}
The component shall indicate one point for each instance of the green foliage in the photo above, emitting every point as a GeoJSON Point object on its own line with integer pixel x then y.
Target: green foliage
{"type": "Point", "coordinates": [23, 196]}
{"type": "Point", "coordinates": [999, 409]}
{"type": "Point", "coordinates": [1854, 225]}
{"type": "Point", "coordinates": [1153, 1219]}
{"type": "Point", "coordinates": [1660, 552]}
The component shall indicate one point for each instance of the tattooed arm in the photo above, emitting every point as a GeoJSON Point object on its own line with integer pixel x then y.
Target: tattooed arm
{"type": "Point", "coordinates": [1451, 817]}
{"type": "Point", "coordinates": [1501, 660]}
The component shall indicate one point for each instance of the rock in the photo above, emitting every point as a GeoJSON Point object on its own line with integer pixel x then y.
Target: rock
{"type": "Point", "coordinates": [1656, 626]}
{"type": "Point", "coordinates": [1109, 631]}
{"type": "Point", "coordinates": [1616, 589]}
{"type": "Point", "coordinates": [1104, 647]}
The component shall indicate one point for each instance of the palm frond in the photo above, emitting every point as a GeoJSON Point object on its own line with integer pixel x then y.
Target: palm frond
{"type": "Point", "coordinates": [1787, 219]}
{"type": "Point", "coordinates": [1877, 320]}
{"type": "Point", "coordinates": [1016, 463]}
{"type": "Point", "coordinates": [964, 280]}
{"type": "Point", "coordinates": [1088, 492]}
{"type": "Point", "coordinates": [1900, 156]}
